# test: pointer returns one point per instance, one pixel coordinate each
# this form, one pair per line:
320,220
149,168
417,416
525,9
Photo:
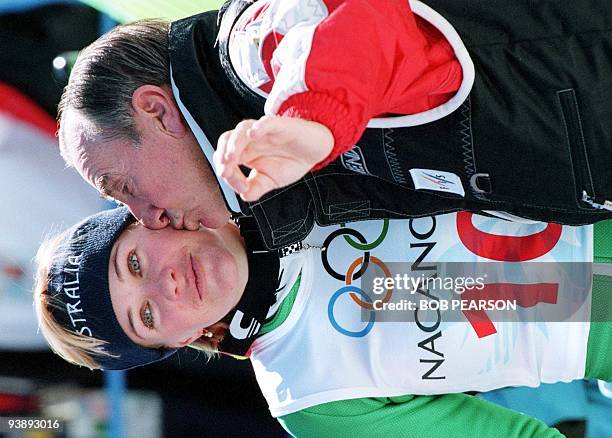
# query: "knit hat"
80,294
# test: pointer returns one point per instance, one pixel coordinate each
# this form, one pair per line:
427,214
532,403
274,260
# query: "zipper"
599,203
297,247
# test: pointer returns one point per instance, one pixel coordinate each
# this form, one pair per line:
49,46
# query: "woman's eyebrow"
116,262
129,315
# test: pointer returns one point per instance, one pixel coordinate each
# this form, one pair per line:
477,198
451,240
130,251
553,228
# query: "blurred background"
185,395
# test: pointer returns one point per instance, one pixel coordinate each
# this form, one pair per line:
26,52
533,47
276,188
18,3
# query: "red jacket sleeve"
364,58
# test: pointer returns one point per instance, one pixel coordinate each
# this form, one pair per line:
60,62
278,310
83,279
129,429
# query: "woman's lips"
197,275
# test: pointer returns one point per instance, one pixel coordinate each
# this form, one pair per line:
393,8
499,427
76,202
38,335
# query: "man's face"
163,180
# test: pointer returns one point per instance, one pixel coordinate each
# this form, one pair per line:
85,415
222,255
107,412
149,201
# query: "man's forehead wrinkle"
121,167
89,167
77,137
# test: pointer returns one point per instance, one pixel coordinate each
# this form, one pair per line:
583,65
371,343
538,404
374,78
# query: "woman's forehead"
131,232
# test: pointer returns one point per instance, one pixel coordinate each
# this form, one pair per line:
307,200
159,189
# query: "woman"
114,295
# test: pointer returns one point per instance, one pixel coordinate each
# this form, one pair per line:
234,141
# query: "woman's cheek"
230,271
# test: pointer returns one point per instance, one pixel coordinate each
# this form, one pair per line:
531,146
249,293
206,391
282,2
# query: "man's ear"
157,104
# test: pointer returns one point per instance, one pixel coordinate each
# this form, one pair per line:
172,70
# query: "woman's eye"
147,316
134,263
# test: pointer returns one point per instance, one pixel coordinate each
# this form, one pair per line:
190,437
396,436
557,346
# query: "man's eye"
134,263
147,316
126,191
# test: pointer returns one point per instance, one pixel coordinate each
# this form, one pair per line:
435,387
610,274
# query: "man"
141,107
143,155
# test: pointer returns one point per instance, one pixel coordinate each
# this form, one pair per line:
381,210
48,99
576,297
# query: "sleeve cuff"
324,109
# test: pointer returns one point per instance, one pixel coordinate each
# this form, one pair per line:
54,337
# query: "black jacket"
533,138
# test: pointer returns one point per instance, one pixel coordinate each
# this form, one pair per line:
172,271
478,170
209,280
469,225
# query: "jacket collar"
246,319
205,89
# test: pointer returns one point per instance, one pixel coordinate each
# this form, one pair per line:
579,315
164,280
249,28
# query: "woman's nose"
169,283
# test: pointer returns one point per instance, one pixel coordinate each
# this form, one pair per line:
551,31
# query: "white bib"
325,351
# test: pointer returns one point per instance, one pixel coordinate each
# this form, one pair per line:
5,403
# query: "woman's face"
167,285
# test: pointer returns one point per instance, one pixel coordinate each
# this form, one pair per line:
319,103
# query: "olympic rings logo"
358,296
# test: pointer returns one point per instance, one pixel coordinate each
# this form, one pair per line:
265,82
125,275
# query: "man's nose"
151,216
176,221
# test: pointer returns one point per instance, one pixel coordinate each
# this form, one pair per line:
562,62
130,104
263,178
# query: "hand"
279,151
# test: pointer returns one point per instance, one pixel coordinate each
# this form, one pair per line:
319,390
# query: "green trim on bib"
602,242
284,310
599,347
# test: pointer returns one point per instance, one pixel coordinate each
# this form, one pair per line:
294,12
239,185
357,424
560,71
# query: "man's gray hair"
107,73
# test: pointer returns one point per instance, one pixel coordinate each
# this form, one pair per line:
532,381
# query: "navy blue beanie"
80,295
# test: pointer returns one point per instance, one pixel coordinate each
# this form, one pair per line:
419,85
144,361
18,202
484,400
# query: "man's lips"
197,275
